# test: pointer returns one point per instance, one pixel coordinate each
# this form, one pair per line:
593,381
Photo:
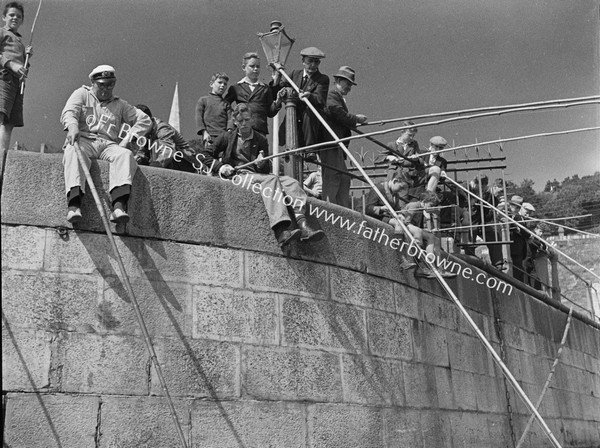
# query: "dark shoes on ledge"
286,236
309,234
74,215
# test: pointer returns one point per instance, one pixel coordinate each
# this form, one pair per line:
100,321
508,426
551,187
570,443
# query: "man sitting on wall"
280,194
102,125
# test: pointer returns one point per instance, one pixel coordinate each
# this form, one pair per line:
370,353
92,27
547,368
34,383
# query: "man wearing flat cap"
435,164
313,86
336,183
102,125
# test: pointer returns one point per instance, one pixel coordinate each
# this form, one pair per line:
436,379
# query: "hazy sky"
411,57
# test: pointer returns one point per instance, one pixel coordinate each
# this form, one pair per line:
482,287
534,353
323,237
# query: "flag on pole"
174,115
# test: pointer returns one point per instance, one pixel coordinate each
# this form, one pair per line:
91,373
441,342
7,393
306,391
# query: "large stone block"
360,289
23,247
430,344
489,393
190,263
50,421
348,426
235,315
437,430
420,385
441,312
287,374
85,253
26,358
470,430
444,387
322,324
409,302
404,428
197,368
50,302
465,391
286,275
468,353
102,364
144,422
390,335
248,424
165,308
371,380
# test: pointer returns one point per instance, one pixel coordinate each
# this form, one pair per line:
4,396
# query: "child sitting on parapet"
413,218
213,113
281,194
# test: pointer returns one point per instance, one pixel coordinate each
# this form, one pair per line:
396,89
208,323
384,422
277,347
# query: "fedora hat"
347,73
516,200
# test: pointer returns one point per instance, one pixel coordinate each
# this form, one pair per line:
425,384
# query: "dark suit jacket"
260,103
309,127
224,146
337,115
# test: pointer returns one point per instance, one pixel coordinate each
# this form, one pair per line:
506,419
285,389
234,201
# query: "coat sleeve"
337,112
200,109
71,111
210,154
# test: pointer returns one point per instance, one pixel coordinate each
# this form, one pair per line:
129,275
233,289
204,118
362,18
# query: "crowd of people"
232,128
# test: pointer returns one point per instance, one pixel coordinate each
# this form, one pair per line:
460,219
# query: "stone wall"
327,345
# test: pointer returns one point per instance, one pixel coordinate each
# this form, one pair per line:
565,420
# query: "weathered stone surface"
235,315
360,289
467,353
102,364
408,301
420,385
25,359
197,368
321,324
248,424
286,275
168,261
285,374
403,428
371,380
444,387
437,430
22,247
430,343
348,426
165,307
87,253
141,422
470,430
390,335
440,312
50,421
49,302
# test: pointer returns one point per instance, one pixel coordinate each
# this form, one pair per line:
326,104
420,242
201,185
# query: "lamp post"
277,46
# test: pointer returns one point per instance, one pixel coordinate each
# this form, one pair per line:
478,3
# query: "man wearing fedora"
313,86
518,236
102,125
336,181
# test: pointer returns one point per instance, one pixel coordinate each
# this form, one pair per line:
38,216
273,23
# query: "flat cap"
103,72
529,207
438,141
312,52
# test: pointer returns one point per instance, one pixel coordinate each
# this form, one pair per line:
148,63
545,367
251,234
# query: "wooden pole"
435,271
134,302
481,109
30,42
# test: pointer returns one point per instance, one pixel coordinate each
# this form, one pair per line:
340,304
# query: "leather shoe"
286,236
406,265
424,273
309,234
74,215
119,216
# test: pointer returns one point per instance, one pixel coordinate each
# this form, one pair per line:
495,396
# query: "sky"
411,57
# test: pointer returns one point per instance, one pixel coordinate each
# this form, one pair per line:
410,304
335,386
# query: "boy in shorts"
12,72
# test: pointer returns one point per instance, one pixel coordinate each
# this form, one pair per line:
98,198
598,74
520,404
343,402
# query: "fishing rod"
422,125
30,42
480,109
488,346
512,221
503,140
547,221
